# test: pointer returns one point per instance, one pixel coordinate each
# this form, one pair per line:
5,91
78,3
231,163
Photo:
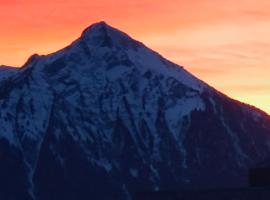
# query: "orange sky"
224,42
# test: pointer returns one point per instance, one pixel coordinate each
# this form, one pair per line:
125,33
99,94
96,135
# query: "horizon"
217,46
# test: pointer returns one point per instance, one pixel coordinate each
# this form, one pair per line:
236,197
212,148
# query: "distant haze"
225,43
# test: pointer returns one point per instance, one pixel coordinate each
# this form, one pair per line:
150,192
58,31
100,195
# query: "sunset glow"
226,43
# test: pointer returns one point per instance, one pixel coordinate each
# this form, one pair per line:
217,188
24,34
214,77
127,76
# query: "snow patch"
133,172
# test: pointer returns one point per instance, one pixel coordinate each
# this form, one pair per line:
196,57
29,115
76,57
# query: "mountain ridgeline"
107,117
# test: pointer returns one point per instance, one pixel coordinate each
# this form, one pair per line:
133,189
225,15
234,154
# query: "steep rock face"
106,117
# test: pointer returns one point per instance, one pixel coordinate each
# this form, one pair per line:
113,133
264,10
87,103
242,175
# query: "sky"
226,43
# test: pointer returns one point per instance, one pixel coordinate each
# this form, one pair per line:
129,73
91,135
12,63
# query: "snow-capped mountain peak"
103,35
106,117
104,48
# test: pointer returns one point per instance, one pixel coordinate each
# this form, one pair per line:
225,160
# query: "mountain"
6,71
107,117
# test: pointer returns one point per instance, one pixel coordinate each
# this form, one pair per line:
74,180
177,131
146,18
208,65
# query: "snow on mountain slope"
107,117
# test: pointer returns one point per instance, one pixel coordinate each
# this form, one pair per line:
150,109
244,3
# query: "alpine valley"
107,117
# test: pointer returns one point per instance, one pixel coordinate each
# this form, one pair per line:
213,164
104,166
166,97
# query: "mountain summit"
104,35
107,117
